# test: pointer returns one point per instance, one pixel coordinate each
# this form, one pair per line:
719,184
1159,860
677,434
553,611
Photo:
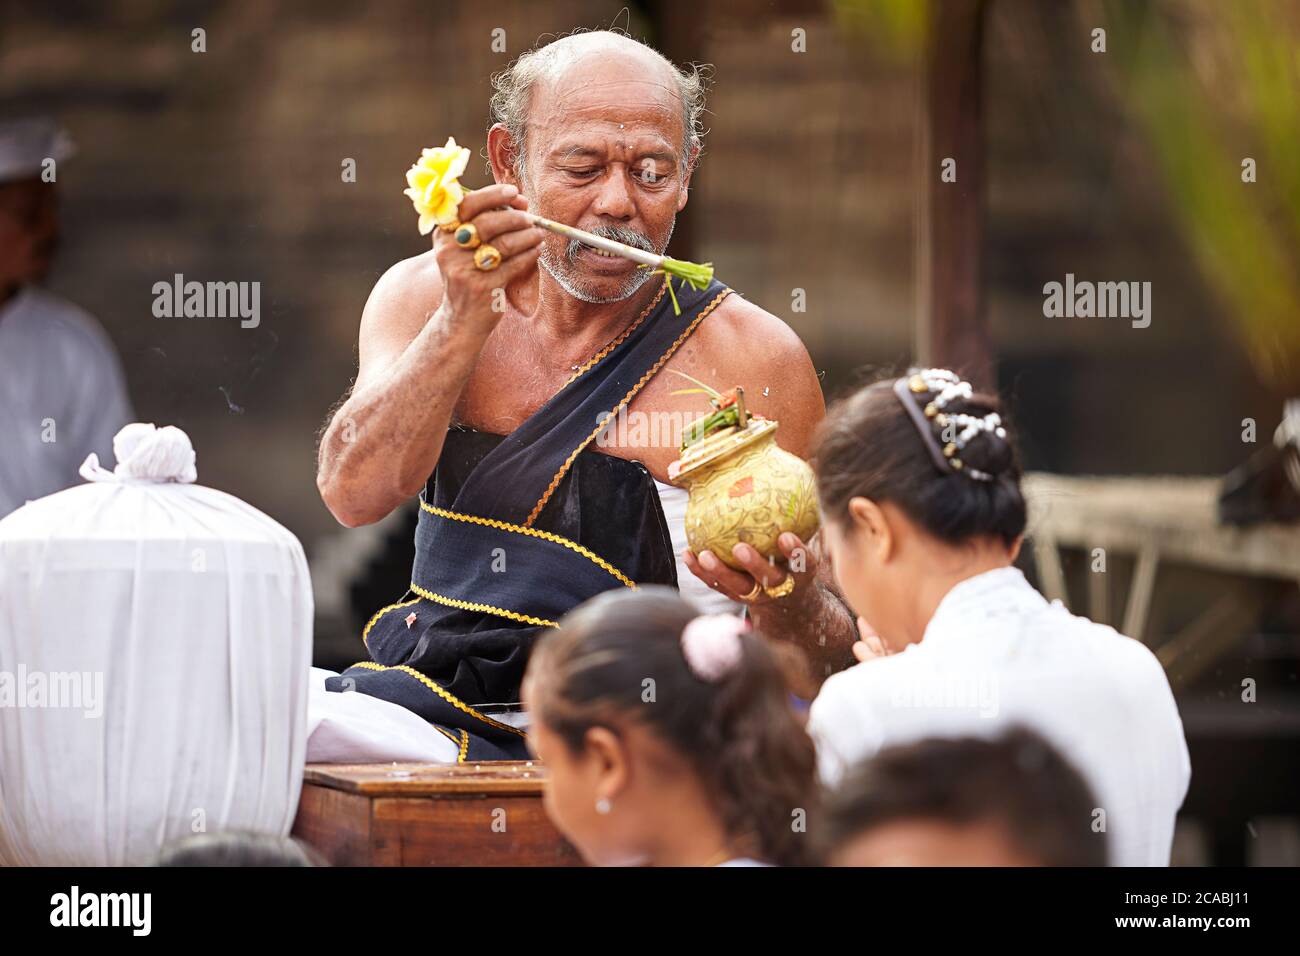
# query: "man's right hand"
468,292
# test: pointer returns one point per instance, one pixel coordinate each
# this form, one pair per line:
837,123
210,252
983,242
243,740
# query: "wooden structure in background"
1158,522
951,328
471,814
1158,527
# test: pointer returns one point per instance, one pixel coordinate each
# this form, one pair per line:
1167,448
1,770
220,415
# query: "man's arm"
818,621
421,333
776,370
385,438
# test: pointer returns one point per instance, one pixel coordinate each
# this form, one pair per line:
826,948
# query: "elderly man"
499,377
62,393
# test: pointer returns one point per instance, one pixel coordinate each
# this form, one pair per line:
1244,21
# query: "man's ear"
1015,547
684,193
609,761
873,528
502,155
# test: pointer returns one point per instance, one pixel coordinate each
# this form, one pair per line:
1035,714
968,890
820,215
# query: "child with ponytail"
669,737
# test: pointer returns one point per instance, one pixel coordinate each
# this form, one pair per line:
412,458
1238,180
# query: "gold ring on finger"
778,591
487,257
752,594
466,236
449,226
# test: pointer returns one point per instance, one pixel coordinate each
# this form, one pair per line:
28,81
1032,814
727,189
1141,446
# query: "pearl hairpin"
946,387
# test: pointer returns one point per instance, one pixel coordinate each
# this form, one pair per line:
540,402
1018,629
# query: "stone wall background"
225,166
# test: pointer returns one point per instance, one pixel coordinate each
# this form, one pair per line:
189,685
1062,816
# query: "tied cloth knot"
146,453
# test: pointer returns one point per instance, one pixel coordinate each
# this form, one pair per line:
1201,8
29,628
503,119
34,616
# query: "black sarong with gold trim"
516,530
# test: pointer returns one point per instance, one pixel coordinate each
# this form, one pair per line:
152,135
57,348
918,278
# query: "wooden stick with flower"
433,186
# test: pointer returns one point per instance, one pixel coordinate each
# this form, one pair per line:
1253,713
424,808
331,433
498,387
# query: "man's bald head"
576,58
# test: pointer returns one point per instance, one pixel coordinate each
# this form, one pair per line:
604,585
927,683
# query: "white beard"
569,283
566,277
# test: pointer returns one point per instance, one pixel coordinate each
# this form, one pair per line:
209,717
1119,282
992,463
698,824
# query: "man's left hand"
737,585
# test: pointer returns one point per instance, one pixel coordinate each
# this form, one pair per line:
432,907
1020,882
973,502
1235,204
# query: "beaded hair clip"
945,386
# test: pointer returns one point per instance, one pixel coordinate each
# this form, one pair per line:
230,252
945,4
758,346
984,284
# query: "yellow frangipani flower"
433,184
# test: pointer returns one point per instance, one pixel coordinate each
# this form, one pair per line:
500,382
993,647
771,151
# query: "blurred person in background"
62,392
1010,801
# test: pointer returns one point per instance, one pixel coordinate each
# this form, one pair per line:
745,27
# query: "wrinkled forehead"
604,95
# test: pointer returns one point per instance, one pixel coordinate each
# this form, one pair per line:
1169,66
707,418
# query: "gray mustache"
629,237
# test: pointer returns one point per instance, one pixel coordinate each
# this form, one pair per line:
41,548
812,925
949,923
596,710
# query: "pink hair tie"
711,645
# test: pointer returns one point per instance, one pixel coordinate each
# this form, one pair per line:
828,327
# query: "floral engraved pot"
744,487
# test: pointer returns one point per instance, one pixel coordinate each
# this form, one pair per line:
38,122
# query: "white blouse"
996,653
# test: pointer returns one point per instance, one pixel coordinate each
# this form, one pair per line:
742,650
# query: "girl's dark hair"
740,735
1017,781
869,446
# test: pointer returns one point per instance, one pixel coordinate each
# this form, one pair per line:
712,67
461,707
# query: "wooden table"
407,814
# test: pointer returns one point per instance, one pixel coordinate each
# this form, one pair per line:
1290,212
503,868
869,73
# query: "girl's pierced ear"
603,806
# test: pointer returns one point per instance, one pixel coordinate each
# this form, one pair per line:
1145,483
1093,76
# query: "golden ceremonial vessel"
742,485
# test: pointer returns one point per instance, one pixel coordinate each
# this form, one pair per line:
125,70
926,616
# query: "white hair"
513,89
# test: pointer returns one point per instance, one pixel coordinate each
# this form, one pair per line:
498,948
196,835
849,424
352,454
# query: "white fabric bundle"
155,645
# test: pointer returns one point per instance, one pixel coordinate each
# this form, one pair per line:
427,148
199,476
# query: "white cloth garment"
709,601
357,728
62,395
996,653
155,641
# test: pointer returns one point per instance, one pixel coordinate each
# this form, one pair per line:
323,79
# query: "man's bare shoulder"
416,276
744,344
750,333
398,308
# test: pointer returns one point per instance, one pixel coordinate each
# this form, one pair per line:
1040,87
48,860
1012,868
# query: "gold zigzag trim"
535,533
591,362
482,608
446,695
461,742
365,635
654,369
